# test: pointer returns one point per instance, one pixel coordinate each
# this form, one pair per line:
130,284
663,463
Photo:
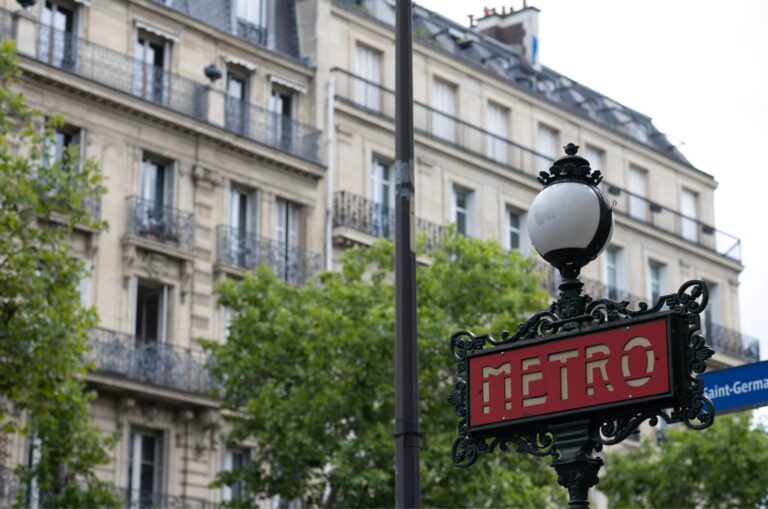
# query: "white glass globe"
567,222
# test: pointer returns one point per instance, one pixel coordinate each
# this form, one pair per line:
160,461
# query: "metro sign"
617,366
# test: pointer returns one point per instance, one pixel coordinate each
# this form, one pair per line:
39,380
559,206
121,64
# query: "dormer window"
251,20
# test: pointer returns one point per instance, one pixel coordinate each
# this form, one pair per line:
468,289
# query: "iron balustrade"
247,250
136,499
272,129
255,34
161,364
116,70
153,220
375,99
366,216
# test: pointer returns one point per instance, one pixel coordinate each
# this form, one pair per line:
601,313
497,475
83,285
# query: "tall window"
688,209
155,213
547,146
613,275
638,186
368,82
382,189
282,109
657,280
237,100
60,145
712,313
84,286
57,44
463,210
497,122
234,459
151,63
596,157
151,312
145,469
444,110
288,236
251,11
516,233
241,246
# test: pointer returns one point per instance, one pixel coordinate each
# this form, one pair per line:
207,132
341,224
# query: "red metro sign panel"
610,367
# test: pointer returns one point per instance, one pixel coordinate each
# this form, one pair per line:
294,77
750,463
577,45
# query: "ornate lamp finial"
571,167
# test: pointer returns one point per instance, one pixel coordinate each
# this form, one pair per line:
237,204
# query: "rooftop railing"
116,70
435,124
150,219
161,364
246,250
375,219
273,129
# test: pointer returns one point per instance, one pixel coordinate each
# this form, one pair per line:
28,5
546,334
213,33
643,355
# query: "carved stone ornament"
582,314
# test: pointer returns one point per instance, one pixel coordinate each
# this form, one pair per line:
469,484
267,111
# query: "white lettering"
649,360
563,357
504,369
532,377
599,364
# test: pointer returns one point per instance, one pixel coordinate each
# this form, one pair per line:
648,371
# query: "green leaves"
43,327
308,372
722,466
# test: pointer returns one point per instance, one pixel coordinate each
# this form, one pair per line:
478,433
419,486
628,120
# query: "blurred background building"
236,133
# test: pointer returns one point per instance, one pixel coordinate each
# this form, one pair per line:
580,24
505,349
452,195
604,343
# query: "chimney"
517,29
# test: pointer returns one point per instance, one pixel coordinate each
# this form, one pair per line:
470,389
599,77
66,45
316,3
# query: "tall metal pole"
407,484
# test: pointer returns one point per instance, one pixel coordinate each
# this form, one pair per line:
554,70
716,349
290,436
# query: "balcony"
248,250
374,219
272,129
433,124
117,71
123,356
167,225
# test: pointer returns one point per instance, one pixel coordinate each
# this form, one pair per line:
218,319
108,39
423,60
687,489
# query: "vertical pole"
407,488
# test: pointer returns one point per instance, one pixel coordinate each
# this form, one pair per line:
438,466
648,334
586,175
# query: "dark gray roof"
280,35
505,62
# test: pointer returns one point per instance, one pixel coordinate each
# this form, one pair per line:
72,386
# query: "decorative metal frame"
574,312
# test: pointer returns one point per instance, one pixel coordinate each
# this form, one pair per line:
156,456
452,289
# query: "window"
382,190
516,233
368,81
444,110
155,208
596,158
613,272
234,459
287,230
688,208
712,313
657,280
151,313
57,41
547,146
237,105
151,63
282,109
241,247
145,469
463,210
497,122
34,444
251,11
84,286
638,183
65,142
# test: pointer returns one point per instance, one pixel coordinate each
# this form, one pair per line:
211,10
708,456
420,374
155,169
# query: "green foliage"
722,466
308,372
43,327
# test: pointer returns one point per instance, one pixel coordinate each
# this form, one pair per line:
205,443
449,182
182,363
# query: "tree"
43,327
722,466
308,375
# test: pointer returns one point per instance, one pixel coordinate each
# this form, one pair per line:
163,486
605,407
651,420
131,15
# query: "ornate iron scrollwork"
695,410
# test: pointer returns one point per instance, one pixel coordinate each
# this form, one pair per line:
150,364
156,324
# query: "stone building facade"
236,133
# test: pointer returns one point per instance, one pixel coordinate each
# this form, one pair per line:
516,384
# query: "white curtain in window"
638,187
251,11
690,230
546,145
368,71
497,122
444,102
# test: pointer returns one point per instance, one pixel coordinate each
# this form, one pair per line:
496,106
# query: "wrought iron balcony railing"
165,224
121,355
116,70
247,250
375,219
273,129
375,99
720,338
135,499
